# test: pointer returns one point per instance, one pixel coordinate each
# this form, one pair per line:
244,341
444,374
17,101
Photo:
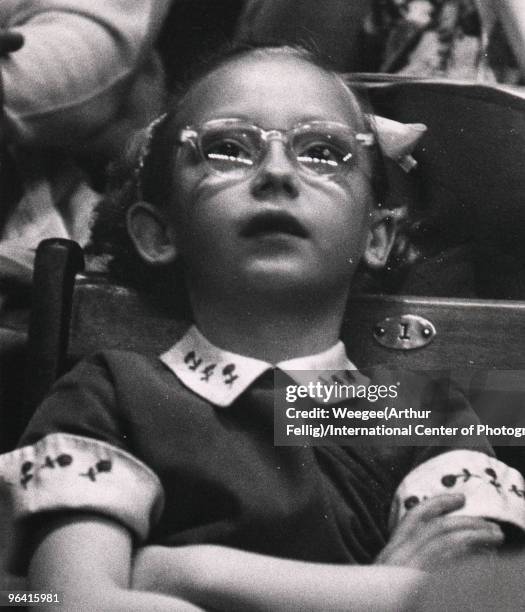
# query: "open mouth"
273,222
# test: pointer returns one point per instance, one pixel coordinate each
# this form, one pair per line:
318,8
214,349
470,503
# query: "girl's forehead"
272,91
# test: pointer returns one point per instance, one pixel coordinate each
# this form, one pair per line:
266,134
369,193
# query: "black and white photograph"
262,305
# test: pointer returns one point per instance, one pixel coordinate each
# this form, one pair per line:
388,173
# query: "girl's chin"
282,278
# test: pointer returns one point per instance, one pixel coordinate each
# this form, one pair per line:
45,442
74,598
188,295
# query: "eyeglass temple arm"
187,135
367,139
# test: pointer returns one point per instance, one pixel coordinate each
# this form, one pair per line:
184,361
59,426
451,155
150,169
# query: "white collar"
220,376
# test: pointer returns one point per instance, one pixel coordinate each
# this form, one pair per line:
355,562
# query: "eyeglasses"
235,149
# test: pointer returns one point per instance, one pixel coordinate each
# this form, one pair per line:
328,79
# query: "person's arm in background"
332,26
512,16
75,72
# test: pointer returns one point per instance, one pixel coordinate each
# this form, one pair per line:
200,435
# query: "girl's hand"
429,537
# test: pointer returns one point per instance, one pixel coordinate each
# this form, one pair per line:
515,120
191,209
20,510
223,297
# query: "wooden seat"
74,315
481,334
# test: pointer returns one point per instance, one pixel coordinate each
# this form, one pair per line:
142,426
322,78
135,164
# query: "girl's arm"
221,578
428,537
87,559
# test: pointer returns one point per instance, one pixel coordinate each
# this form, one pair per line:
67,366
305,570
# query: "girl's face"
278,228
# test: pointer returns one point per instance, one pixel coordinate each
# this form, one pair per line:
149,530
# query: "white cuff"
491,488
66,472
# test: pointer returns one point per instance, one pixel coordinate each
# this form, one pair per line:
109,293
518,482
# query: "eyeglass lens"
236,150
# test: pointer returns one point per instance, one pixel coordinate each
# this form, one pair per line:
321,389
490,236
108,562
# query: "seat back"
468,186
476,342
74,315
462,333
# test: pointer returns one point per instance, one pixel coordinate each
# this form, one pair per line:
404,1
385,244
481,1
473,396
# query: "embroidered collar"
220,376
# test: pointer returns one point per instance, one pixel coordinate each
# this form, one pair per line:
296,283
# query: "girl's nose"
276,174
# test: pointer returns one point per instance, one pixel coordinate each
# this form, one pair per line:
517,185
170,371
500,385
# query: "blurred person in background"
476,40
78,77
85,77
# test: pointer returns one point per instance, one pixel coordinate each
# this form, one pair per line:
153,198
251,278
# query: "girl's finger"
434,507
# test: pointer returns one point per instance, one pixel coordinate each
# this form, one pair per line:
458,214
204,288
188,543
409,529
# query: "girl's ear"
151,234
381,236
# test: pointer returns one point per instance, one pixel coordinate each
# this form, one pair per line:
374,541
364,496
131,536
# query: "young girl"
265,185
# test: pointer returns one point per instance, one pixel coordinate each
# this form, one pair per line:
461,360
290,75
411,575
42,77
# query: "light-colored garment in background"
473,40
454,39
86,77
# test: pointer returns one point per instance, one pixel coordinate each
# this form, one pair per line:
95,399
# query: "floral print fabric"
457,39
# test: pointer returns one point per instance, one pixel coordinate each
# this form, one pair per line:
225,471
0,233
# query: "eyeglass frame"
193,135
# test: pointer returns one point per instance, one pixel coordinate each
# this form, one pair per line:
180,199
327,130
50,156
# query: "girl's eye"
228,154
323,157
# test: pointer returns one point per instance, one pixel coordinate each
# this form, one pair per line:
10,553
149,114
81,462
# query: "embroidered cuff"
491,488
65,472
